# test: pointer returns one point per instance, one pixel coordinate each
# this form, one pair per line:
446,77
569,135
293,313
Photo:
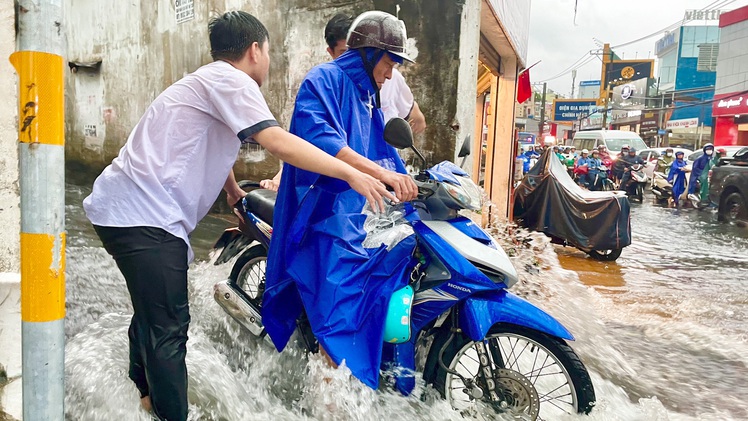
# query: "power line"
573,67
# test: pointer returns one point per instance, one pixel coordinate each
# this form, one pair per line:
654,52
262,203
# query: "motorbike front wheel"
248,274
536,375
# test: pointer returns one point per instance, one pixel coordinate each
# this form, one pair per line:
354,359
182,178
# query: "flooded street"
663,331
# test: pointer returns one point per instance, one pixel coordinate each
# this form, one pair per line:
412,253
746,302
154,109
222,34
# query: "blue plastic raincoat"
677,177
316,260
698,167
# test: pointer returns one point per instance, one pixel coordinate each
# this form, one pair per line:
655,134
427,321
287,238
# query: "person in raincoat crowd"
704,179
582,168
594,164
396,97
317,261
665,161
677,177
145,204
697,169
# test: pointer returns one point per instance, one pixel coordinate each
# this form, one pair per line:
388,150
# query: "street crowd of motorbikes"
600,170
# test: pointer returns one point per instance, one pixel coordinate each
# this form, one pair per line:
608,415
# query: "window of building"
707,57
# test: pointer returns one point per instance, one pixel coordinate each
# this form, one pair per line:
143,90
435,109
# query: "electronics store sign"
682,124
572,110
730,105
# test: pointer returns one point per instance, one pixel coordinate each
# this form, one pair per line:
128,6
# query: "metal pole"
605,108
542,114
573,81
40,68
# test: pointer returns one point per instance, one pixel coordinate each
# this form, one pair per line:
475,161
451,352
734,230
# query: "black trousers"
154,264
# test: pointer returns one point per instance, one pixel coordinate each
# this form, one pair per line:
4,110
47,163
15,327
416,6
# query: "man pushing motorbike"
317,261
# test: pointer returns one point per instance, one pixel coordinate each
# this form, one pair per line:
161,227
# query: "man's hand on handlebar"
403,185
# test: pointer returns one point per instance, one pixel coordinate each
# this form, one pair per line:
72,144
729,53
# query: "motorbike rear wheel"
536,375
605,255
248,274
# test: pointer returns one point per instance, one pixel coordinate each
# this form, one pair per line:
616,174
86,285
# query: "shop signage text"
682,124
703,14
665,42
570,110
730,104
589,83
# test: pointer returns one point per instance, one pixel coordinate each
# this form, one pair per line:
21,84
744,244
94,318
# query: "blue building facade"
688,74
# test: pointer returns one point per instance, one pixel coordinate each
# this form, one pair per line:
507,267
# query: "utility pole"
542,113
41,151
573,81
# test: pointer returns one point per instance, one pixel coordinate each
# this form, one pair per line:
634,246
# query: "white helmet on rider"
585,151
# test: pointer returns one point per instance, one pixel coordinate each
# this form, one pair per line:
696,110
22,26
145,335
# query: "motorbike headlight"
466,194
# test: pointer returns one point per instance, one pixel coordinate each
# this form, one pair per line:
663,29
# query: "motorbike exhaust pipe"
238,308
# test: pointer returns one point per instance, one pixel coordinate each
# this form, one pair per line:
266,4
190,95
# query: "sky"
560,43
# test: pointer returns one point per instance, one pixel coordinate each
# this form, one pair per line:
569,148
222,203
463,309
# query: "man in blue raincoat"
317,261
699,165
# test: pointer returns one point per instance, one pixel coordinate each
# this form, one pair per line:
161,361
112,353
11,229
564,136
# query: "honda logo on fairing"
457,287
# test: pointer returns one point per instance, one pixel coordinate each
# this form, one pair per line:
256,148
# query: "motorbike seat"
261,202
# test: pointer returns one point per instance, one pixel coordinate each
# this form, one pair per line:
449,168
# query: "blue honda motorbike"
487,351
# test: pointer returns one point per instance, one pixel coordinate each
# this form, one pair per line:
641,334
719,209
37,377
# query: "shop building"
687,75
730,106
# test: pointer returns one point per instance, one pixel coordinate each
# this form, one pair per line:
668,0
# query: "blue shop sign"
570,110
589,83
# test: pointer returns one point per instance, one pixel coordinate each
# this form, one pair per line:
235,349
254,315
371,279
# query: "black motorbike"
634,187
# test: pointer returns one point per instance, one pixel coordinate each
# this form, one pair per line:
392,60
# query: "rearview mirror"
398,134
465,148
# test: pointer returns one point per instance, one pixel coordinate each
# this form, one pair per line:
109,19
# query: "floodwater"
663,331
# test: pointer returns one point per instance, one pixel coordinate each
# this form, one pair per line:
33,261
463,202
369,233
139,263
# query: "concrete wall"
10,221
143,50
9,189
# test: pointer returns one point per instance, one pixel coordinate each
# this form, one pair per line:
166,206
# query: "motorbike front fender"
479,313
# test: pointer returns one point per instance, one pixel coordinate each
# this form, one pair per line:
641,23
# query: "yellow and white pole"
41,151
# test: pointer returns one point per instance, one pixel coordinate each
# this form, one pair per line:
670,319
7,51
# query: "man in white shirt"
165,179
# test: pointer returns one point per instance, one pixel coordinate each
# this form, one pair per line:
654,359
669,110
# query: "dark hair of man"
232,33
337,29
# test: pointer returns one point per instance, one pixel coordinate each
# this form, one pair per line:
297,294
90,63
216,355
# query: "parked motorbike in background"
485,347
661,188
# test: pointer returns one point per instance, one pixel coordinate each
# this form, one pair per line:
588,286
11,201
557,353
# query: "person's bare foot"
145,402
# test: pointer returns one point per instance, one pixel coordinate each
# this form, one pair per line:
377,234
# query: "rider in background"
582,168
677,176
665,161
594,164
627,162
619,165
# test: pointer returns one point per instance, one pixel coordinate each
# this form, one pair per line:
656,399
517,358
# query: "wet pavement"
663,331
